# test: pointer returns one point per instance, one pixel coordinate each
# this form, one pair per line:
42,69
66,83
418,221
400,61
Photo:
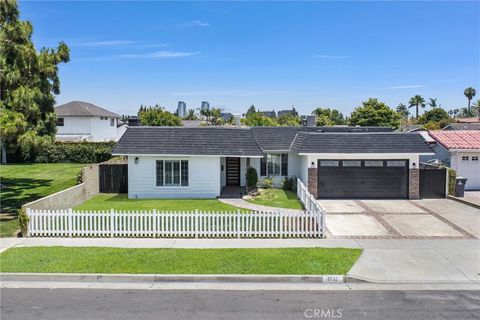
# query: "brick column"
414,184
312,181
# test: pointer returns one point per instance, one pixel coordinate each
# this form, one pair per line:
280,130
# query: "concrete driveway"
401,219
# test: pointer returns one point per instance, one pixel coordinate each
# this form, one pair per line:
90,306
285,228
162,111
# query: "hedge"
452,181
76,152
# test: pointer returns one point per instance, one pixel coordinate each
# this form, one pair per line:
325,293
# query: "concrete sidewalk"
240,203
382,261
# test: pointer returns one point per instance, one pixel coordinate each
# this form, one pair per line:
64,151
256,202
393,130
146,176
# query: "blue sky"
270,54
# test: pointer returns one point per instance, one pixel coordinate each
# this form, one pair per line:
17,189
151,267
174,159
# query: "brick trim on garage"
414,184
313,181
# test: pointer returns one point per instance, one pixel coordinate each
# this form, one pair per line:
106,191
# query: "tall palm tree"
403,111
416,101
433,103
476,107
470,93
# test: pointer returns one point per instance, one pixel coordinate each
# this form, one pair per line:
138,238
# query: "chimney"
308,121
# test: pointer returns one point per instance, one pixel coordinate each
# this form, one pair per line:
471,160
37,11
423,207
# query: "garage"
363,179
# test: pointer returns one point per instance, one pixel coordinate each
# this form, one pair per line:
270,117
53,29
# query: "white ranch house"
333,162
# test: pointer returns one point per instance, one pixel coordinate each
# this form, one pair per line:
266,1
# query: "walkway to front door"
233,171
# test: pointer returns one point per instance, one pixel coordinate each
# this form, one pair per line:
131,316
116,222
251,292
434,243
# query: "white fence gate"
309,202
254,224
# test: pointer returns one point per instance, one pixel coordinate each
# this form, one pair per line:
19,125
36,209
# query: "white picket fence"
153,224
309,202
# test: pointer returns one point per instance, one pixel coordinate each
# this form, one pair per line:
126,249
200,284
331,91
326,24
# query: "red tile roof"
457,139
468,120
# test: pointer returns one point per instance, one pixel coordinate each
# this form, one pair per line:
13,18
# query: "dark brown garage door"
362,179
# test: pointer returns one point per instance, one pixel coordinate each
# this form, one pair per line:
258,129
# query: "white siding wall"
204,178
467,168
100,130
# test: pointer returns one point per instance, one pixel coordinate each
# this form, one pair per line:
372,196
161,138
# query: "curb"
468,203
158,278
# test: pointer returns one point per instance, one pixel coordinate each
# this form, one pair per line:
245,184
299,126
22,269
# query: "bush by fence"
77,152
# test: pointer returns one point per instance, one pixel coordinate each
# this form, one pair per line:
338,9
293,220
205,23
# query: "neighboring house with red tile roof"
460,149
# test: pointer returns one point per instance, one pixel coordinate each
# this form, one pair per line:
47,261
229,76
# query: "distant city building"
205,105
181,109
270,114
225,116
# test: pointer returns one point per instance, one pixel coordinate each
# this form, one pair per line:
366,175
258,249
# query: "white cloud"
158,55
194,24
410,86
104,43
330,57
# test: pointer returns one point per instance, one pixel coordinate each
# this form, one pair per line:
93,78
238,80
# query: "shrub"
23,221
252,177
452,181
267,183
290,183
77,152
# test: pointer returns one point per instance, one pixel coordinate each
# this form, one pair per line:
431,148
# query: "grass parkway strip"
294,261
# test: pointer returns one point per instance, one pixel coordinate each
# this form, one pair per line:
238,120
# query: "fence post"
154,211
69,222
112,225
195,225
238,224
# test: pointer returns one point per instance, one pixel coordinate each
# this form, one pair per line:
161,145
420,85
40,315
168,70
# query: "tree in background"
432,103
28,85
257,119
215,118
190,115
323,121
335,116
417,101
251,110
476,108
157,116
434,115
289,120
470,93
402,110
374,113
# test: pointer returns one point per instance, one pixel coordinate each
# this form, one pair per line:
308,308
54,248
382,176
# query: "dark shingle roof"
188,141
463,126
281,138
83,109
308,142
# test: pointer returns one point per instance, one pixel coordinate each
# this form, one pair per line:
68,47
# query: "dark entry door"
362,179
233,171
433,183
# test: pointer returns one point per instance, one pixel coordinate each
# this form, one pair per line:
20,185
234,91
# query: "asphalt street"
96,304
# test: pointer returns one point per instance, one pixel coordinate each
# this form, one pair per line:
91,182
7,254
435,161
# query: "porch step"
232,192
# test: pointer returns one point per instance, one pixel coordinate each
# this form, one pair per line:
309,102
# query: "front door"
233,171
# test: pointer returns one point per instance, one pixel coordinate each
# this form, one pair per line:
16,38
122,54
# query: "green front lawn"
23,183
8,225
121,202
308,261
277,198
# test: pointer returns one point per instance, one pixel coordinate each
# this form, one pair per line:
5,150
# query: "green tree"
335,116
416,101
257,119
374,113
289,120
402,110
158,116
190,115
433,115
476,107
432,103
28,84
470,93
250,110
215,117
323,121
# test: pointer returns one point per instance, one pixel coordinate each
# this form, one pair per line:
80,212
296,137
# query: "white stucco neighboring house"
333,162
460,149
83,121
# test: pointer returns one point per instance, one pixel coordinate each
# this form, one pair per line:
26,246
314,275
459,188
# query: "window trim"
465,158
63,122
112,122
180,173
474,158
266,159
